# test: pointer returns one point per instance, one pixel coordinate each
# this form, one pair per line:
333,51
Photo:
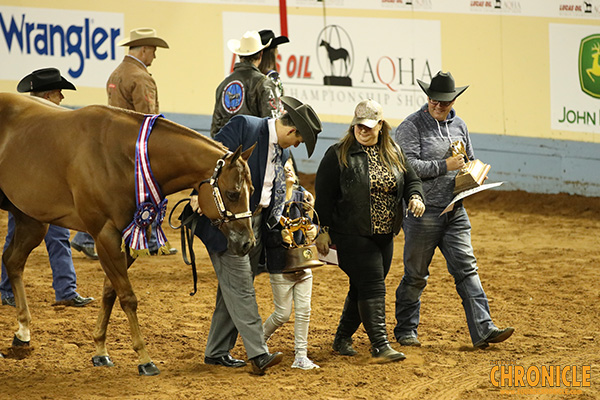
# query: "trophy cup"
302,255
472,174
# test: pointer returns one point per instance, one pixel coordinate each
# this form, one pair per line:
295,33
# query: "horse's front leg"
102,359
27,235
115,264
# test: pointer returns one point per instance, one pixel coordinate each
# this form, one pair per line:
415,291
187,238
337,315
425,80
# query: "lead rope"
187,240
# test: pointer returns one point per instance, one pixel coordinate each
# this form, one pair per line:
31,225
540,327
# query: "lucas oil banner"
334,66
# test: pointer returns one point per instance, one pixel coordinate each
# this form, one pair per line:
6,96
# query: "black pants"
366,260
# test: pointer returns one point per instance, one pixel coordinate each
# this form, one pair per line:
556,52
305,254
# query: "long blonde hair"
389,152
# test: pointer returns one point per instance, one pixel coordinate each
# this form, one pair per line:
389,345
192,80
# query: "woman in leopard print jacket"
360,185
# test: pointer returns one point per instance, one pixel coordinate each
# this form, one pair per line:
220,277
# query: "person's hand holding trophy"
299,234
474,172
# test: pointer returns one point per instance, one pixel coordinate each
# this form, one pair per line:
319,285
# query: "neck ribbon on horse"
151,207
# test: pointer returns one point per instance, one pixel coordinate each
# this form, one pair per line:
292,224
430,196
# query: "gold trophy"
304,255
472,174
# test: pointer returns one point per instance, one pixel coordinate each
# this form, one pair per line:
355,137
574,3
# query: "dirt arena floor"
539,258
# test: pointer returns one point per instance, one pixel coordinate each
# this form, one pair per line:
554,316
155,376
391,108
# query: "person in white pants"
290,288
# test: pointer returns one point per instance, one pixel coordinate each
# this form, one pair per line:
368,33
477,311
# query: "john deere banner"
575,77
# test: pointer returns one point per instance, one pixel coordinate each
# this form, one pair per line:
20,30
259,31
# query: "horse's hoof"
19,343
102,361
148,369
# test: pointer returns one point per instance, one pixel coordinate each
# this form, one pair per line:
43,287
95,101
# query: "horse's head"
226,200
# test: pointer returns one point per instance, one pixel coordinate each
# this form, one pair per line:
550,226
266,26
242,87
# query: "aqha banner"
334,64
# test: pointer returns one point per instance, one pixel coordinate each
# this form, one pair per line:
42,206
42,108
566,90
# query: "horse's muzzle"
239,243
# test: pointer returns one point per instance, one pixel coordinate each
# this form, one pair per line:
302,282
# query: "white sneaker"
304,363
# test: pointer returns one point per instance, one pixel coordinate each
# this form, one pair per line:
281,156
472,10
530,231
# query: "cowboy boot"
349,323
372,313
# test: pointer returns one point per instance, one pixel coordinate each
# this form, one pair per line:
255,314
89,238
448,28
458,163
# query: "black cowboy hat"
305,120
267,34
43,80
442,87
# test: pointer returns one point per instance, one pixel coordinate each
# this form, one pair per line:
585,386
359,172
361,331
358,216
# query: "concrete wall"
529,164
531,105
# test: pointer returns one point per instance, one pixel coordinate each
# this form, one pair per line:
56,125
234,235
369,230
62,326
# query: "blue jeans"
83,239
64,280
86,240
452,234
153,239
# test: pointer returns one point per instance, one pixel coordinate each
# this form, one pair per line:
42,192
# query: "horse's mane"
140,116
116,111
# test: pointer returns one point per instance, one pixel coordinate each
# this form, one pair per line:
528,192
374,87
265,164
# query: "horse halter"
224,213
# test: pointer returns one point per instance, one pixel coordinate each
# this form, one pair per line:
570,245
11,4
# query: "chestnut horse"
75,168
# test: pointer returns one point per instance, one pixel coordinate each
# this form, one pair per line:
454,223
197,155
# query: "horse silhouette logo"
589,65
335,55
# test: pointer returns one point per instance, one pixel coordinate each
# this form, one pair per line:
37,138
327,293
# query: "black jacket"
343,195
246,91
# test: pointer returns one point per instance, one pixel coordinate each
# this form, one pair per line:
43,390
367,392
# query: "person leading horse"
76,169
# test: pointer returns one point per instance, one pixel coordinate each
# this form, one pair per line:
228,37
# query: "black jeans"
366,260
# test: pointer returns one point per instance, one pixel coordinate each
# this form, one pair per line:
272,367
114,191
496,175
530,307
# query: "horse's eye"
233,196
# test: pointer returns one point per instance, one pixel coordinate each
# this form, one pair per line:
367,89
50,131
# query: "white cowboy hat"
143,37
248,45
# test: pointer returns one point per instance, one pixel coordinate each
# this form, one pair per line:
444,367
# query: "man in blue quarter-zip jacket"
426,137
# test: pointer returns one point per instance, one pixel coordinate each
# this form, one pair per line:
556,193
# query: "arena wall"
533,103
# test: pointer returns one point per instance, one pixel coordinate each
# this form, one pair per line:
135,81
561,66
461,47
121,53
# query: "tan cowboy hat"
143,37
305,120
442,87
249,44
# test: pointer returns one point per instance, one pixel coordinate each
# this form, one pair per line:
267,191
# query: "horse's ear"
236,155
247,153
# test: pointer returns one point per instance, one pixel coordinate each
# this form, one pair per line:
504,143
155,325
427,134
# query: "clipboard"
469,192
